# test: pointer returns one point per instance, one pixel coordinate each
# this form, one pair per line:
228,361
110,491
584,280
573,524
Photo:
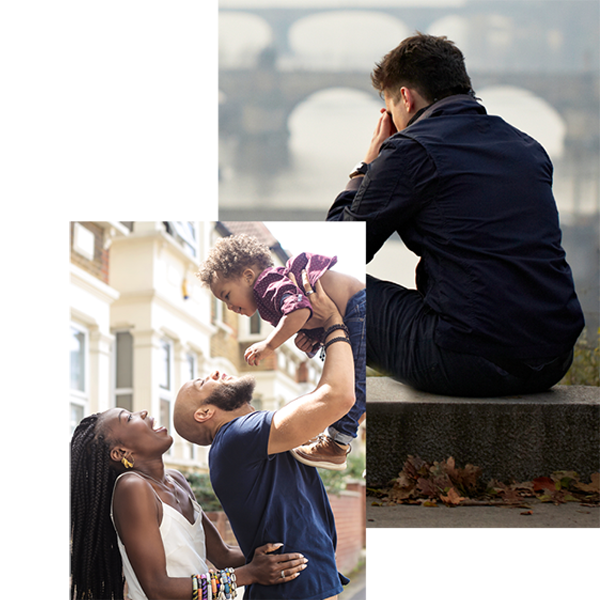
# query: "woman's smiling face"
136,431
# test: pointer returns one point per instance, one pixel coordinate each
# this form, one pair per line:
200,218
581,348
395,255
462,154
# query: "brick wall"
98,267
224,343
349,510
266,364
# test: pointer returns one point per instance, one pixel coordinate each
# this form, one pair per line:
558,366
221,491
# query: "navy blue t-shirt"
270,499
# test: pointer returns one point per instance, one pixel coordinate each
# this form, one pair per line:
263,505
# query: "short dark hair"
432,65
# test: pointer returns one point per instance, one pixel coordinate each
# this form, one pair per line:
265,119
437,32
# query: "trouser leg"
345,429
400,343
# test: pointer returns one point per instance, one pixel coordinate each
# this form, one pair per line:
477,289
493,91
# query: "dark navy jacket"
472,196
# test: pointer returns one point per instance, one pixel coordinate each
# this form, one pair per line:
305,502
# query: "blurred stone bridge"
259,102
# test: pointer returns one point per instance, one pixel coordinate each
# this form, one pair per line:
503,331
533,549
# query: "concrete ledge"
519,437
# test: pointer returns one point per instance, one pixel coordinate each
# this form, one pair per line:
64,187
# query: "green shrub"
585,367
200,484
335,481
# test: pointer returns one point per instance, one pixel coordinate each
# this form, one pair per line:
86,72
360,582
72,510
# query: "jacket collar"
457,103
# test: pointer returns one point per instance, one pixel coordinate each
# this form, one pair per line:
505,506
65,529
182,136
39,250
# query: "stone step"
520,437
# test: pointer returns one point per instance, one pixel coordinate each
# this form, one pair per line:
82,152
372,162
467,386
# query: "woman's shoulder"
132,484
134,496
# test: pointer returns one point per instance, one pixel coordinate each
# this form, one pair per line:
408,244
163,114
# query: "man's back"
472,196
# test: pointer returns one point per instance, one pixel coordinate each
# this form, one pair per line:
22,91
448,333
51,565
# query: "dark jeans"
346,428
400,343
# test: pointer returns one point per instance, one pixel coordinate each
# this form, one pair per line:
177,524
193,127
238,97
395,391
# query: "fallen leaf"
543,483
593,487
427,487
431,503
453,498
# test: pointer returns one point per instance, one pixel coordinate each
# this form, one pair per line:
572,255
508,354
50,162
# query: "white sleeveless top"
184,543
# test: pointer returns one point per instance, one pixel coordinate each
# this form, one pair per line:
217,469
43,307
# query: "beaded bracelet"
204,584
334,327
213,585
337,339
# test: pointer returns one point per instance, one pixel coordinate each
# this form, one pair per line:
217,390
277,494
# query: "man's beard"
231,395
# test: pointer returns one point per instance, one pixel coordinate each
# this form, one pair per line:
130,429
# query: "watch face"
360,169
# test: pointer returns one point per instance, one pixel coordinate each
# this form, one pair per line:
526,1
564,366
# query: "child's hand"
255,353
306,344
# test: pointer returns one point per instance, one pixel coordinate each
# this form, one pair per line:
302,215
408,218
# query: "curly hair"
231,255
96,565
433,65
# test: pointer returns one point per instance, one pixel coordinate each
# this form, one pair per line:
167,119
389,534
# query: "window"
255,323
165,383
190,362
217,310
189,374
179,212
124,370
78,366
165,365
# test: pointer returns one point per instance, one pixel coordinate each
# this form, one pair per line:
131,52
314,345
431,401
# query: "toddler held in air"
239,271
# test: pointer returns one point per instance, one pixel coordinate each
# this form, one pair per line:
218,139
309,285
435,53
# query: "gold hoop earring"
126,463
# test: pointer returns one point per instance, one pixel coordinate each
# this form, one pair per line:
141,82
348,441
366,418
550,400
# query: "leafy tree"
335,481
202,488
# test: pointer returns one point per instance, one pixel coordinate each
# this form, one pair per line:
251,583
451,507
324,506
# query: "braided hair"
96,566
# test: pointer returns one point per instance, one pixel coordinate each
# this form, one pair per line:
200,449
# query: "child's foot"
324,453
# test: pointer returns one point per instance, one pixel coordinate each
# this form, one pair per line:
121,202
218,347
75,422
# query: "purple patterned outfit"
277,296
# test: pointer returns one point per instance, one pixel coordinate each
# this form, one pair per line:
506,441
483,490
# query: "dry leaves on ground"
425,483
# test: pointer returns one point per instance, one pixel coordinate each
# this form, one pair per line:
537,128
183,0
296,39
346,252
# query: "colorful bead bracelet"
215,585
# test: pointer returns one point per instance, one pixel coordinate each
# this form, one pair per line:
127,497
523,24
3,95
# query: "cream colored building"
142,325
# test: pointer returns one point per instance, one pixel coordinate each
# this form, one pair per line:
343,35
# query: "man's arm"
398,182
385,128
309,415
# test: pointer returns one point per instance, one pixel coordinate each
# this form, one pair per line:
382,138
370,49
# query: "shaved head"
228,396
186,403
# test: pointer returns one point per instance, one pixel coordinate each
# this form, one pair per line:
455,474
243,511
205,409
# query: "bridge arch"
335,118
529,113
245,38
455,28
349,40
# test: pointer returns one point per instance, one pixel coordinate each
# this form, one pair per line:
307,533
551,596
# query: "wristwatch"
359,169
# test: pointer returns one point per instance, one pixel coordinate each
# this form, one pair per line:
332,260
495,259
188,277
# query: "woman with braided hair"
134,520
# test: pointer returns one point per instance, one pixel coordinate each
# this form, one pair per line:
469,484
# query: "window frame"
123,391
80,398
165,394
